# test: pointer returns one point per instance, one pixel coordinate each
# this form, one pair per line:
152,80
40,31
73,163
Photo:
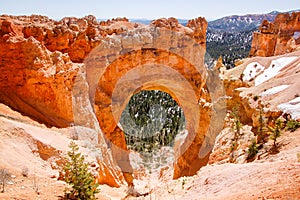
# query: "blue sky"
150,9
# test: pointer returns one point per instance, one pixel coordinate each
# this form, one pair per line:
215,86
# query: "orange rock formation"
278,37
43,73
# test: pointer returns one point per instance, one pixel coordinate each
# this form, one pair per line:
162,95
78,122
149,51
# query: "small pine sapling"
237,123
183,183
255,98
275,132
76,174
252,150
262,131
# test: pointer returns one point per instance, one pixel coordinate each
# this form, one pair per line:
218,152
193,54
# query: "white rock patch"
273,69
274,90
252,70
292,107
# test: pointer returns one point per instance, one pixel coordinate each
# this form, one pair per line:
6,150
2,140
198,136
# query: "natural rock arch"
44,82
153,58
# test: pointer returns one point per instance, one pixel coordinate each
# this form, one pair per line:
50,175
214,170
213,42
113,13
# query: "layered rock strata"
278,37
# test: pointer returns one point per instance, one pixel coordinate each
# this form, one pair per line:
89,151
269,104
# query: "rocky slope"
33,153
273,176
269,82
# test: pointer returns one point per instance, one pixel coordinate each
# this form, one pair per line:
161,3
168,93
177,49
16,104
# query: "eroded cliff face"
42,61
278,37
35,81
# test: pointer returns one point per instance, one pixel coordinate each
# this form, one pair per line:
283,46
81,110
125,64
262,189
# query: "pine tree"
252,150
159,125
262,130
237,124
76,174
275,132
292,125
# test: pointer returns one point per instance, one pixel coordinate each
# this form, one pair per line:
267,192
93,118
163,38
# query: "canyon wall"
278,37
40,59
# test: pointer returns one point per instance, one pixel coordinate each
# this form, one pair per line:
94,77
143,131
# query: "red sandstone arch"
154,80
175,68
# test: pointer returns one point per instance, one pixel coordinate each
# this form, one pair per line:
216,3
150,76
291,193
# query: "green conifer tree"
275,132
237,123
252,150
76,174
262,130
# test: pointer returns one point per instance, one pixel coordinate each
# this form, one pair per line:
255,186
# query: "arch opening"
151,121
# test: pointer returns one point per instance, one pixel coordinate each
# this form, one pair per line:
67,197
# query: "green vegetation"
233,146
151,119
252,150
76,174
275,132
292,125
183,183
262,129
231,46
237,124
255,98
